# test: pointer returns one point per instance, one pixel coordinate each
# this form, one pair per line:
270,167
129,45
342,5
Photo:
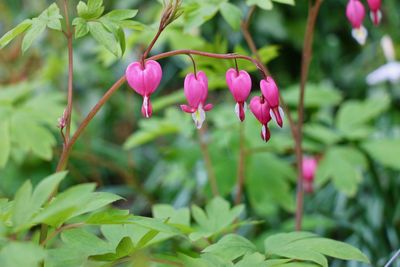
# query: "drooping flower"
239,83
144,80
261,110
355,13
196,91
376,14
270,91
309,168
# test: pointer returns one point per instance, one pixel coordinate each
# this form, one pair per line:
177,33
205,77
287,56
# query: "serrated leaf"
232,14
36,29
11,34
5,142
81,27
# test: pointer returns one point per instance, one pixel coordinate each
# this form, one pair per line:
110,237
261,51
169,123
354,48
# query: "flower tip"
277,115
360,35
147,109
265,133
240,110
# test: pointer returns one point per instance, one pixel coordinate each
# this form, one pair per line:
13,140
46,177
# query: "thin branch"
207,161
397,254
305,66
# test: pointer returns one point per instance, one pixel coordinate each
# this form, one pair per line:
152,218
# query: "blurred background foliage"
351,127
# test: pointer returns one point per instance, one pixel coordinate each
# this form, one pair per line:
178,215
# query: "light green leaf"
121,14
232,14
110,216
231,247
254,260
104,37
18,254
344,166
22,204
353,115
264,4
36,29
5,142
92,10
287,2
384,151
52,17
11,34
81,27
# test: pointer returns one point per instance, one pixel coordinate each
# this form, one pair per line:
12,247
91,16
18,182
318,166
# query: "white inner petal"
146,106
237,110
264,132
378,13
199,117
271,113
360,35
281,112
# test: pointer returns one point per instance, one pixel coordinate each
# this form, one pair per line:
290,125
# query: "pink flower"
144,80
376,14
261,110
196,91
355,13
309,168
239,83
270,91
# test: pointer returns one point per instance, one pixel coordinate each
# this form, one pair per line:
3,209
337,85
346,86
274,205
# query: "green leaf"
353,115
22,204
232,14
287,2
52,17
267,190
384,151
254,260
92,10
198,14
231,247
264,4
110,216
104,37
121,14
343,165
217,216
44,190
11,34
316,96
308,247
37,28
81,27
5,142
17,254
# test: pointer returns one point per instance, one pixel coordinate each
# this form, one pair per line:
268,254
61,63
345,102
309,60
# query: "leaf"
81,27
22,204
217,216
287,2
384,151
353,115
254,260
5,142
92,10
264,4
121,14
37,28
321,133
308,247
343,165
231,247
44,190
11,34
232,14
316,95
104,37
52,17
198,14
17,254
269,185
110,216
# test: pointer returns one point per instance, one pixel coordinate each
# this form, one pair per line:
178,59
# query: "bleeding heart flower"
355,13
261,110
270,91
376,14
196,91
239,83
144,80
310,165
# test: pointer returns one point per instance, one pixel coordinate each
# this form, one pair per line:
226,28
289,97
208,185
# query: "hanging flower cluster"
144,78
355,13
